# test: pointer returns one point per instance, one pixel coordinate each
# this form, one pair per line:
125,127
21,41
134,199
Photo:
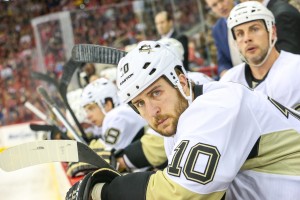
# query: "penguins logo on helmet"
145,48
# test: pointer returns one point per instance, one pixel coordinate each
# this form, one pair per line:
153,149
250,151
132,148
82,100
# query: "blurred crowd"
16,58
106,22
18,55
114,23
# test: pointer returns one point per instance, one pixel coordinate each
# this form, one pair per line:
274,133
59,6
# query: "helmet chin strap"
190,97
101,107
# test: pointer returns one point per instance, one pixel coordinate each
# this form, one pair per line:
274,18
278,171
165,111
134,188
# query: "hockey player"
74,101
226,138
120,126
149,151
117,124
267,70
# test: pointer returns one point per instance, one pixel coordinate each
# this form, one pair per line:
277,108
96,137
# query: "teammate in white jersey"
120,125
267,70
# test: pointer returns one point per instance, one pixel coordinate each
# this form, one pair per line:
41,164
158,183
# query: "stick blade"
38,152
47,151
89,156
91,53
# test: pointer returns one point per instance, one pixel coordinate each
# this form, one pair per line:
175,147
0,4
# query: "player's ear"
274,33
184,82
108,105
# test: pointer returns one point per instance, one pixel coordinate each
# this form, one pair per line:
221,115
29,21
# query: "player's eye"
90,108
238,34
255,29
139,104
155,93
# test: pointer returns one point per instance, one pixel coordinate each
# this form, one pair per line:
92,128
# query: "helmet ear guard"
145,64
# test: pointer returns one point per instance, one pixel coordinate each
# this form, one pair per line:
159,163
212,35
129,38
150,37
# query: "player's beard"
257,60
171,128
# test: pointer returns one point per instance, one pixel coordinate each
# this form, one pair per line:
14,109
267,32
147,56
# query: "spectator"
165,28
227,55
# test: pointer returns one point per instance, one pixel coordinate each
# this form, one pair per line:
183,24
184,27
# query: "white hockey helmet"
74,99
109,73
174,45
98,91
143,65
250,11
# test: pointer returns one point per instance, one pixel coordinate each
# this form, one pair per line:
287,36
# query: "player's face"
94,114
252,40
163,26
221,8
161,106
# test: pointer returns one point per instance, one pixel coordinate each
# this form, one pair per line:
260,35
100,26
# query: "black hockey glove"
82,189
79,168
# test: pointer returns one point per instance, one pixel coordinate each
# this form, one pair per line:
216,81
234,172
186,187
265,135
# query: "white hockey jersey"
120,126
233,140
281,83
199,78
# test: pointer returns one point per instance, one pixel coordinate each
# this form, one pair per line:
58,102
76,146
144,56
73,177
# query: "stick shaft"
51,103
68,126
36,111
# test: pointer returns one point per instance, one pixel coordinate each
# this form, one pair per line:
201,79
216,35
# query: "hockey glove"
82,190
79,168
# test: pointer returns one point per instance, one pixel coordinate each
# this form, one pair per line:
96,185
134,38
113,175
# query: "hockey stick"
92,53
69,68
58,113
53,129
36,111
46,151
44,77
42,116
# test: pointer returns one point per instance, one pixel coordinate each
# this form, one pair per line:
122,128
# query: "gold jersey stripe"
279,153
153,148
161,187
